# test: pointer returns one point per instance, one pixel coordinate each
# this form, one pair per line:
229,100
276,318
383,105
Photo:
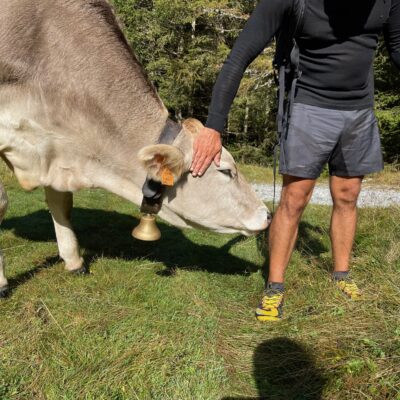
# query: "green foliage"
387,83
389,122
182,44
387,77
246,153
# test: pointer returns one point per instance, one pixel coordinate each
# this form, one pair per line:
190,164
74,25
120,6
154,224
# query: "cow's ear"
159,158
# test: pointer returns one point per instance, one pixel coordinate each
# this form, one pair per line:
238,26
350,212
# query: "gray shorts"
347,140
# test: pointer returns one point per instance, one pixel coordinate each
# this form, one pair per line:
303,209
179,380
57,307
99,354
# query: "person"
332,121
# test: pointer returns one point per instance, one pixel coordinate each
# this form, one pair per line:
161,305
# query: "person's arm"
392,33
256,35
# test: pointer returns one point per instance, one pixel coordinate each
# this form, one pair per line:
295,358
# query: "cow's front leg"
60,205
3,209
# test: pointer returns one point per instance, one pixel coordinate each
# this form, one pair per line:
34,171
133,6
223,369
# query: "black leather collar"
170,132
153,190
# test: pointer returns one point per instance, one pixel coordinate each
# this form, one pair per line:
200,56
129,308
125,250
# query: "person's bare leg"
345,192
296,193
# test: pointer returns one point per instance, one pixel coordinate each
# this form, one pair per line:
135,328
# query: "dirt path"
369,197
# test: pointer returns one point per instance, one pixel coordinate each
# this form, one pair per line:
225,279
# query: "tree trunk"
246,118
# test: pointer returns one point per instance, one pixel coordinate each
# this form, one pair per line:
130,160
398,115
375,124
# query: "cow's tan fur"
75,109
192,126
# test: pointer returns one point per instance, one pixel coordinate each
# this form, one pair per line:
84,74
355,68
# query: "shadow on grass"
308,244
108,234
25,276
285,369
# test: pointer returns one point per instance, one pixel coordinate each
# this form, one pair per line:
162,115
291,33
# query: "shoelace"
272,301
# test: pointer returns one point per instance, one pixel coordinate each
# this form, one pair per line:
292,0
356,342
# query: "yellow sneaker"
349,288
271,306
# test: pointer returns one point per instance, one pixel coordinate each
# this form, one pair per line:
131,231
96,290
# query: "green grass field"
175,319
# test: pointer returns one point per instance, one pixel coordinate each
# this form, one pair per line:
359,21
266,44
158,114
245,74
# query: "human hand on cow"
207,148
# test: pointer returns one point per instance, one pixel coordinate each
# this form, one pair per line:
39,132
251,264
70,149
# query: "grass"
174,319
390,176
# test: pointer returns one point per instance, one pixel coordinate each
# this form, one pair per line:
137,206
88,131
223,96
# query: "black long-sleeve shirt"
337,47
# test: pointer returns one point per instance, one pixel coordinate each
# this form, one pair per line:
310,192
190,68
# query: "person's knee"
293,203
346,196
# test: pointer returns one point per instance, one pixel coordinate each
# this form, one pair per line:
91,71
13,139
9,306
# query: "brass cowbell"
147,229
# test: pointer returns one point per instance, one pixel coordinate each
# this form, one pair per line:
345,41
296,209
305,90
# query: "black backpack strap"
286,62
292,24
281,100
296,75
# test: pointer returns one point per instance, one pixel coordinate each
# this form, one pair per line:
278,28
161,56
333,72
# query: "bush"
248,154
389,123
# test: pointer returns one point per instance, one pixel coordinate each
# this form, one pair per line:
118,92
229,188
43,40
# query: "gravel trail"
369,197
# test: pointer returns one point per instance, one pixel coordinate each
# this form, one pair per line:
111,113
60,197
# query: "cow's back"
77,42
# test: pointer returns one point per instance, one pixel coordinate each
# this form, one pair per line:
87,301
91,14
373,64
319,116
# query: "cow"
77,110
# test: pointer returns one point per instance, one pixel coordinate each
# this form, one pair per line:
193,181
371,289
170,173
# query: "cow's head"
221,200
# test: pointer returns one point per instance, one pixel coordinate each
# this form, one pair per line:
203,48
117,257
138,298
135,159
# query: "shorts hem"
356,173
299,174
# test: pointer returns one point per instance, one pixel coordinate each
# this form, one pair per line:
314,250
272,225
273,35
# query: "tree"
387,84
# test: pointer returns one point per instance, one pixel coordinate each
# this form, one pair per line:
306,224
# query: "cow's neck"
98,78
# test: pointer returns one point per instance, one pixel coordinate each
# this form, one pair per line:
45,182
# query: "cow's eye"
227,172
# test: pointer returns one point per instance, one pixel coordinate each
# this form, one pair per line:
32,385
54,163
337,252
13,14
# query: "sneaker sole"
266,318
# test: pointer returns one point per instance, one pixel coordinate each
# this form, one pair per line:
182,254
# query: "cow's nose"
268,220
259,221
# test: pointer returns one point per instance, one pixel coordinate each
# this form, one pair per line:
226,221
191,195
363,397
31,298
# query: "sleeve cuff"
215,121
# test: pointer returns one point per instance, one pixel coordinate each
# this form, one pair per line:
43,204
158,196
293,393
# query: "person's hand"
207,148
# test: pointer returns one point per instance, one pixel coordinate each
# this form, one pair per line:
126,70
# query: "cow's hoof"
81,271
4,292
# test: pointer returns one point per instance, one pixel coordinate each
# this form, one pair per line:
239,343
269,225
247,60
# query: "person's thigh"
311,138
358,151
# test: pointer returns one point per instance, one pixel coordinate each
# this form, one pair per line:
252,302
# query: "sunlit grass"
174,319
